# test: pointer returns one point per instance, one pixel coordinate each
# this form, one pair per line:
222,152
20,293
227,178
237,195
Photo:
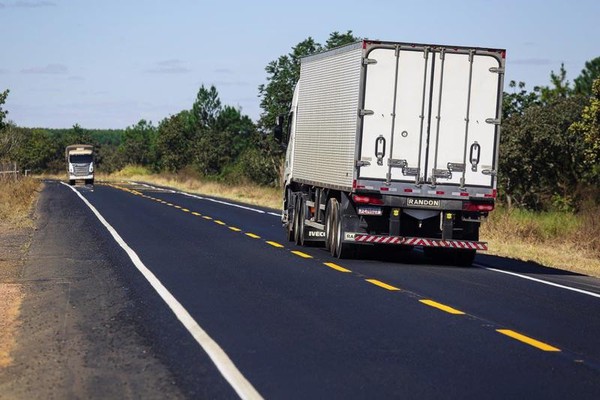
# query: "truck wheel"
301,219
289,227
329,221
296,220
341,249
331,233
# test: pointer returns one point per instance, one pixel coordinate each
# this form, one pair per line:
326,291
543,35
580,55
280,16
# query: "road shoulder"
76,334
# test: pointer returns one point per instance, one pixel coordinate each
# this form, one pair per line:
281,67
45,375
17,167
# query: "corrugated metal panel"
327,118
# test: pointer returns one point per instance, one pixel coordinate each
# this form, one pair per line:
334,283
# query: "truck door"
430,116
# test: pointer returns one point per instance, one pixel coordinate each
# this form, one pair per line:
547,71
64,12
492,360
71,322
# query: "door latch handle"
380,149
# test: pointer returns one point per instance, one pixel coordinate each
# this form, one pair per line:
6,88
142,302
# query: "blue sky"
110,63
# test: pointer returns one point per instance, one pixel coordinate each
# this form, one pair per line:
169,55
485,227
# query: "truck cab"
80,163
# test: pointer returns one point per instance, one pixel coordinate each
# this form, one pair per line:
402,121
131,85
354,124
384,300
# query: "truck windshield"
80,158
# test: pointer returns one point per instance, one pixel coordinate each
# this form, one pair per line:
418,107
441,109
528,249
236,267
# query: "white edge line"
221,360
211,199
541,281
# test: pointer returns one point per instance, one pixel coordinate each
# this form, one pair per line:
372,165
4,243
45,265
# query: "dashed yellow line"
382,284
207,217
301,254
525,339
235,229
185,209
252,235
442,307
336,267
219,222
274,244
178,207
196,214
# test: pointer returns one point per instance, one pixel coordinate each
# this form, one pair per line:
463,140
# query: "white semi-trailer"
80,163
394,144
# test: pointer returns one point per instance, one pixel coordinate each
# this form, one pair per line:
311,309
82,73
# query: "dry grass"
16,202
560,240
245,192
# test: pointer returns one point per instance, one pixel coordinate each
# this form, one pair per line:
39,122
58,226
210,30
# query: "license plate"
431,203
365,210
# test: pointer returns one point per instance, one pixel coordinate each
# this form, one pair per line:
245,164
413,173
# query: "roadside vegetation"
548,180
16,201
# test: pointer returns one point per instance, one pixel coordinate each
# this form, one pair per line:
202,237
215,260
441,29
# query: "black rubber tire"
301,219
296,220
333,215
328,225
342,250
289,227
72,182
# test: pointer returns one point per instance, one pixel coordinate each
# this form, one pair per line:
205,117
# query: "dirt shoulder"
68,326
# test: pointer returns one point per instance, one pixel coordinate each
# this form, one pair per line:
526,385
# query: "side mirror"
278,130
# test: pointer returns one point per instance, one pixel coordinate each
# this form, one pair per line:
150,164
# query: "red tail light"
468,206
367,200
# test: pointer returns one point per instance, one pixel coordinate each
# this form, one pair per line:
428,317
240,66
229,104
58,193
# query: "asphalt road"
296,323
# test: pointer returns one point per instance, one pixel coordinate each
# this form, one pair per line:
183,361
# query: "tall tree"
542,160
560,89
138,142
283,74
3,113
516,102
207,107
174,142
585,80
78,135
337,39
589,129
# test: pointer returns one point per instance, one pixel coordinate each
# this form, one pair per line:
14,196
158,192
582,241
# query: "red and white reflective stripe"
378,239
456,244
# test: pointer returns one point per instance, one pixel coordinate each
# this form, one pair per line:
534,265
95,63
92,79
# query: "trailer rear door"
431,115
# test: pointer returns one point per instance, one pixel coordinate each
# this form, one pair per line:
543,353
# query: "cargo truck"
394,144
80,163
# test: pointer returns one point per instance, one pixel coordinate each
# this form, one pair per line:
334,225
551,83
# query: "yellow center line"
382,284
336,267
207,217
527,340
169,204
301,254
442,307
253,236
185,209
178,207
235,229
219,222
196,214
275,244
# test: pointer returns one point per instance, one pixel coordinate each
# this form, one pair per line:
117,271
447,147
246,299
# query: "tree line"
549,149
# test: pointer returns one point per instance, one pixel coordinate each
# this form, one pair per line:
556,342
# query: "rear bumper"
76,177
362,238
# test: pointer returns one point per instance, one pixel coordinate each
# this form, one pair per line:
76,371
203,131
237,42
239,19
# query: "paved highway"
234,310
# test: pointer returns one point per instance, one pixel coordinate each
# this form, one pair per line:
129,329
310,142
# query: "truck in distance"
394,143
80,163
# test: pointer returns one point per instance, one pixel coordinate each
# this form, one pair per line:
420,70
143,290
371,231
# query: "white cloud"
28,4
169,67
54,69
